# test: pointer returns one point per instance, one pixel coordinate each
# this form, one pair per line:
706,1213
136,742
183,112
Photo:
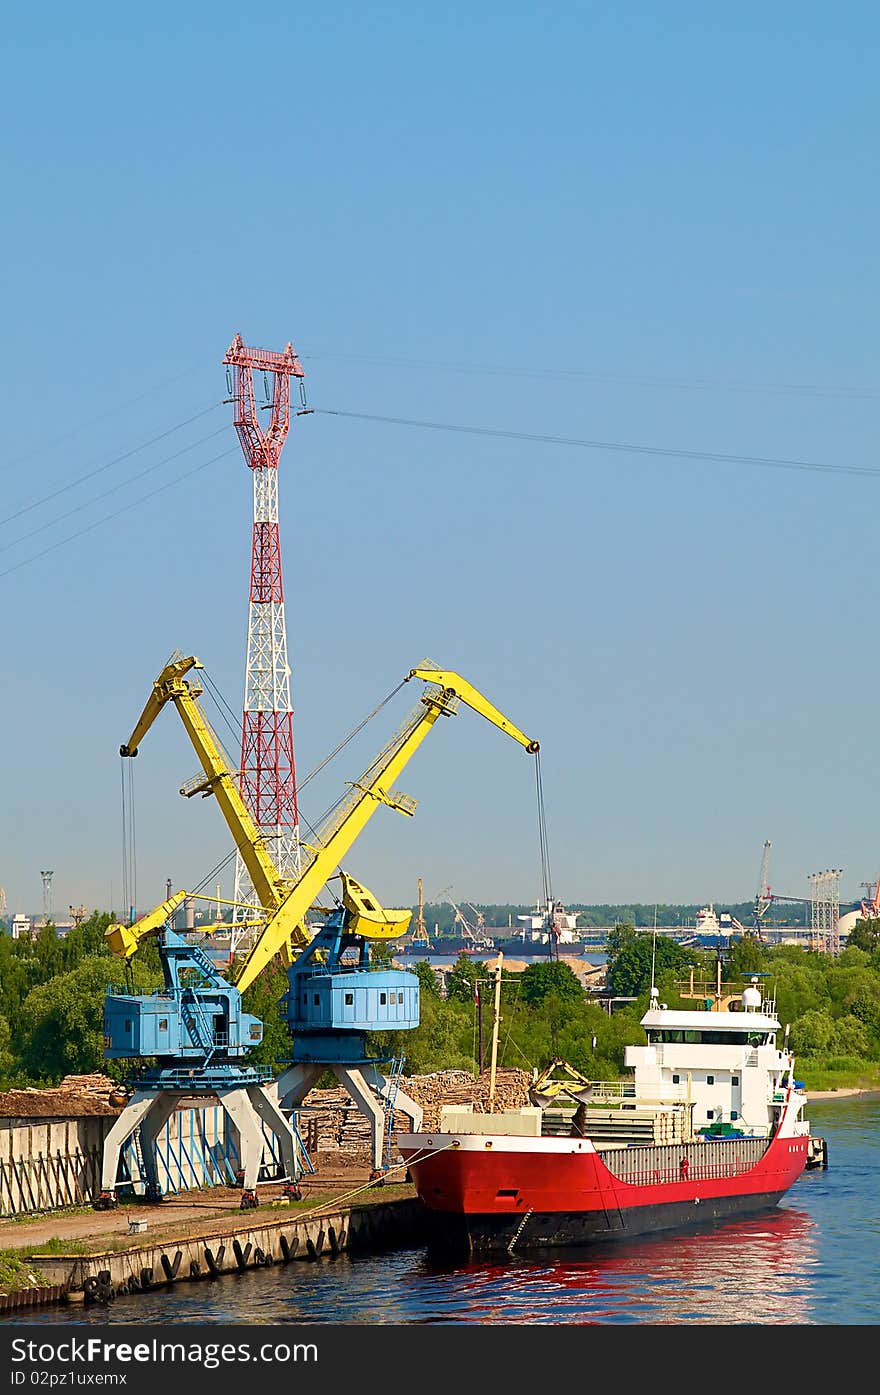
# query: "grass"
32,1216
58,1246
827,1075
17,1273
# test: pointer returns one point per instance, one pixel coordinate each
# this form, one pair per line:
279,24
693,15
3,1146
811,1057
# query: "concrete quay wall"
237,1246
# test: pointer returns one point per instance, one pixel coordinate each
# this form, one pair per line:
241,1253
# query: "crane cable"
129,842
546,880
231,720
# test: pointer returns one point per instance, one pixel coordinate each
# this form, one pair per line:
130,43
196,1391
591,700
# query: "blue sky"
639,224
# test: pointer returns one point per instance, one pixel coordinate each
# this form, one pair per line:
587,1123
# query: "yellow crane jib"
336,838
219,780
454,686
123,940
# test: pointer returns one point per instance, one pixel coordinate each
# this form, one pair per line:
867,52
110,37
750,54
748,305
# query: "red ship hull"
494,1193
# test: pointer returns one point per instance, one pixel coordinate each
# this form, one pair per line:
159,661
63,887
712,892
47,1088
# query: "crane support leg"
271,1115
413,1111
240,1109
295,1083
368,1103
152,1125
125,1125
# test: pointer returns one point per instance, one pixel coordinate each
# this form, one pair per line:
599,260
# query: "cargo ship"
708,1126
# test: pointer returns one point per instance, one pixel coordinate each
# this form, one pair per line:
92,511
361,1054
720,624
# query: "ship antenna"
653,958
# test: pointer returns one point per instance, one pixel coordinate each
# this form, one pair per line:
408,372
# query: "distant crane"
473,934
763,896
2,900
481,919
871,909
47,896
420,934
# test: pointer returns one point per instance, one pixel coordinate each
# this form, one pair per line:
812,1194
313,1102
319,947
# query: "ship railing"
611,1091
662,1164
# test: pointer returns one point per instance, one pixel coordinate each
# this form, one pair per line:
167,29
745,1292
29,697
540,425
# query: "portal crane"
469,932
213,1040
763,896
420,935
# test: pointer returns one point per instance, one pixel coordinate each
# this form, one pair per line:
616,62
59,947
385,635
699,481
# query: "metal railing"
662,1164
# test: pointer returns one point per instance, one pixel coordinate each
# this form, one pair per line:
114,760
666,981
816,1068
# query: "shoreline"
843,1091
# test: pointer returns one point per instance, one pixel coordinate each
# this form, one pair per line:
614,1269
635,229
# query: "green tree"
747,956
429,984
633,954
539,981
850,1037
263,999
7,1060
60,1028
812,1034
462,979
443,1040
865,935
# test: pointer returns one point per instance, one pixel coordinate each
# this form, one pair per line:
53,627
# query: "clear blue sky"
658,224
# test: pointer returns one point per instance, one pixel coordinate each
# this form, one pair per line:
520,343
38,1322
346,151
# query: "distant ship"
709,924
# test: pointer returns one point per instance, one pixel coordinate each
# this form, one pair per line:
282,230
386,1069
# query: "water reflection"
761,1270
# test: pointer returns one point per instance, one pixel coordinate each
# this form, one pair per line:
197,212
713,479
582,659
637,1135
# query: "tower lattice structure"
267,771
825,910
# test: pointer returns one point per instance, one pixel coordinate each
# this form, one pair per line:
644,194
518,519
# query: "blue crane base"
205,1080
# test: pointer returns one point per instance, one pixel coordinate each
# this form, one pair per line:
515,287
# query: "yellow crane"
218,780
287,901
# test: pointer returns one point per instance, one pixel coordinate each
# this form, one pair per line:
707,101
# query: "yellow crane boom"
288,900
219,780
441,698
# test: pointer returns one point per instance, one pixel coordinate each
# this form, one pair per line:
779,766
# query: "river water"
812,1260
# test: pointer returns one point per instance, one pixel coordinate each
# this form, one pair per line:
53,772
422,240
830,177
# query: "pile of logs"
77,1095
332,1122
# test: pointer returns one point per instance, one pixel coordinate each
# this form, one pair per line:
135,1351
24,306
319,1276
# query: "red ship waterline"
709,1126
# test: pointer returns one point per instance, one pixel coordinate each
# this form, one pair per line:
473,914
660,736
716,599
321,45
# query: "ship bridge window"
694,1036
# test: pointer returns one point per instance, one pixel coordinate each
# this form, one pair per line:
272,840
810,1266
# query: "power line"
114,489
580,375
767,461
38,449
99,469
178,479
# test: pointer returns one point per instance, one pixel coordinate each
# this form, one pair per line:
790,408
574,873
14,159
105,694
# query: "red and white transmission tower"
268,775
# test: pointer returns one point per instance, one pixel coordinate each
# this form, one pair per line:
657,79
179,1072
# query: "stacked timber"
334,1125
76,1096
451,1087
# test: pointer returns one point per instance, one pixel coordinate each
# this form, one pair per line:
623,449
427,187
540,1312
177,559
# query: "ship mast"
496,1022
